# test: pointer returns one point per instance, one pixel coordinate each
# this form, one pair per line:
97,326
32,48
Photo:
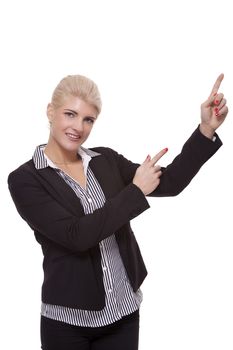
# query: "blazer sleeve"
177,175
46,215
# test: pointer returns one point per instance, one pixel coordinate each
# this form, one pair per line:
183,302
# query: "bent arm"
45,215
177,175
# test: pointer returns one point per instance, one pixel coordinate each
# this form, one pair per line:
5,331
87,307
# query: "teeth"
73,136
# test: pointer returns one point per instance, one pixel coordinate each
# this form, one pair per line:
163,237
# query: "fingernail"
216,102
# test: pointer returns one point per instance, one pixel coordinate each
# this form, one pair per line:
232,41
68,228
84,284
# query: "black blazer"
70,239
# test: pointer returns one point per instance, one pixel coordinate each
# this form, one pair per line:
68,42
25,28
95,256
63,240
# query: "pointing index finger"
159,155
217,84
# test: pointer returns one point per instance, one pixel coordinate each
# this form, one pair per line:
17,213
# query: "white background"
155,63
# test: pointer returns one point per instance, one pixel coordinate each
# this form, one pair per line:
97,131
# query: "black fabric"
123,334
70,239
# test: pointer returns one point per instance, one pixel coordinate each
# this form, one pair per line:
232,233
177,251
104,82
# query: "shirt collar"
41,161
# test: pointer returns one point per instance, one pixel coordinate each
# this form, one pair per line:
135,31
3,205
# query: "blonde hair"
77,86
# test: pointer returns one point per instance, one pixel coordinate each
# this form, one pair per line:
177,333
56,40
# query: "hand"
147,176
214,110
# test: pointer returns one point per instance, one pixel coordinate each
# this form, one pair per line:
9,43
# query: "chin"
71,147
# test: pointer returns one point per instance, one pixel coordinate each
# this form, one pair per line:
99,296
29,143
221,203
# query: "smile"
73,137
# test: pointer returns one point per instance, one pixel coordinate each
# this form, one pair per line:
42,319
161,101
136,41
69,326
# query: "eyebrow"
71,110
76,113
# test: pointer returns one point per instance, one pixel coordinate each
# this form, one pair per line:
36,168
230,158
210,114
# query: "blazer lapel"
60,190
105,175
103,172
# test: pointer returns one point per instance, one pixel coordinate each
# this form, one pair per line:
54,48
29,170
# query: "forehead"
78,105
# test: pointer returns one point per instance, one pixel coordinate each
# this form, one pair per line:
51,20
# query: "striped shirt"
120,299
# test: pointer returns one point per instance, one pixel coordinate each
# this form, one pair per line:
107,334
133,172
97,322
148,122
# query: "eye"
89,120
69,114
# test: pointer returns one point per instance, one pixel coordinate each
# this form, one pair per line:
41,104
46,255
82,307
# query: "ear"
50,112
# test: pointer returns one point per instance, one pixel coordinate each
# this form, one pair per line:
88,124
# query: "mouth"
73,137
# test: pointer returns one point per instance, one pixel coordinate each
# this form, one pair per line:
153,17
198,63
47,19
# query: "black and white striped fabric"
119,296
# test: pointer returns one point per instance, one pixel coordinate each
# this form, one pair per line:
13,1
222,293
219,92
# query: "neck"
60,156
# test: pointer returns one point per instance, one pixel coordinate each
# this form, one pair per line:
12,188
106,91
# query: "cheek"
56,130
88,128
58,124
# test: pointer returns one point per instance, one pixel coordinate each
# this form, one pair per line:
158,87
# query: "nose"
78,124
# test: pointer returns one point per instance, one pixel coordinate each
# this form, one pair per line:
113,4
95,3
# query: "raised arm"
196,151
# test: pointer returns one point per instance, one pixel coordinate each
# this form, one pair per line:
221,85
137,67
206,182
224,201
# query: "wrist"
206,130
138,186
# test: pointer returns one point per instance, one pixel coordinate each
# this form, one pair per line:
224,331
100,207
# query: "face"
71,123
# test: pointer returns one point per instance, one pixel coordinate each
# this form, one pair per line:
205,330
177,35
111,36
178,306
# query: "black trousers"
121,335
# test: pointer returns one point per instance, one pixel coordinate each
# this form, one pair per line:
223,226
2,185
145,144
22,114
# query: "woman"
79,202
